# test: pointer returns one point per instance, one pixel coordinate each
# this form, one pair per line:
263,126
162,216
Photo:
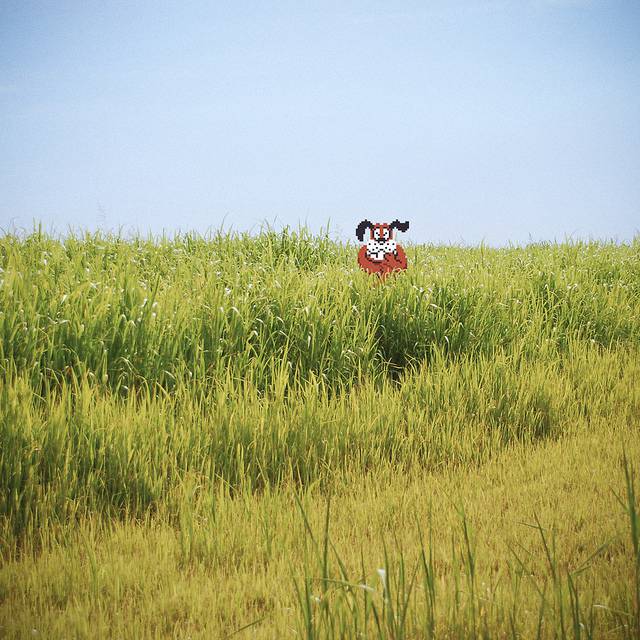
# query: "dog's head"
380,231
381,240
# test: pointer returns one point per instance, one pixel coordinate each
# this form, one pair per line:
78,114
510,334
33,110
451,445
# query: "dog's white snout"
376,249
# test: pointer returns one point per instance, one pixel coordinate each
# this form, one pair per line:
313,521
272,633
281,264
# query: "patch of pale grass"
135,579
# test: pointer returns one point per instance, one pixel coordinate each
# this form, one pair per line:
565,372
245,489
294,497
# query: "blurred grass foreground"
244,435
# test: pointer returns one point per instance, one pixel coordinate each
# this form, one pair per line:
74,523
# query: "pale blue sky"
476,120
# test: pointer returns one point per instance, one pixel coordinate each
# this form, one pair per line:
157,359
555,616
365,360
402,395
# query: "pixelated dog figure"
382,254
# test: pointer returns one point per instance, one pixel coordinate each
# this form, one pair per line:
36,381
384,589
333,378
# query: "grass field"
249,437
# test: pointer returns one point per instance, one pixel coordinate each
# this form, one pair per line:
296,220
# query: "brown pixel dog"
382,254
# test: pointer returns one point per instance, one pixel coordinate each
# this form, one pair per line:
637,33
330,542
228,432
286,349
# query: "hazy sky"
500,121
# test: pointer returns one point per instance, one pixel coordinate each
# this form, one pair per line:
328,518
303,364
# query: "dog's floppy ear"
361,228
402,226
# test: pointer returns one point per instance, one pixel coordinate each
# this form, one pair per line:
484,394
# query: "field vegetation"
248,436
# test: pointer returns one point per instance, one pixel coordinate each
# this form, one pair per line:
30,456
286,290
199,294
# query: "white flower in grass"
383,577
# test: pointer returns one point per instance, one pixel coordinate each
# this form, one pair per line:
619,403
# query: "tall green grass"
177,413
128,366
158,313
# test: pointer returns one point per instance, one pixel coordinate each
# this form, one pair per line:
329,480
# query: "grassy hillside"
202,434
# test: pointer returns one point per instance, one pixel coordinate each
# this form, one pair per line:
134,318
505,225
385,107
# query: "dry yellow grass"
134,580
